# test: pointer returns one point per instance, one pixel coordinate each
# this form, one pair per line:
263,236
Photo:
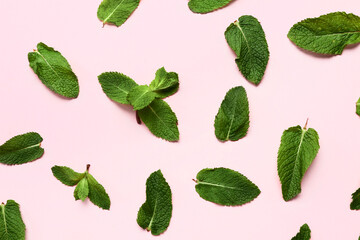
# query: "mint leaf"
87,186
304,234
160,120
232,120
140,97
12,226
54,71
247,39
225,187
116,86
116,11
358,107
206,6
327,34
298,148
355,204
82,190
21,149
155,214
66,175
165,83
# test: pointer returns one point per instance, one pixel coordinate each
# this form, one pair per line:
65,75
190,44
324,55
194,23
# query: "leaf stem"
195,180
138,120
307,120
87,167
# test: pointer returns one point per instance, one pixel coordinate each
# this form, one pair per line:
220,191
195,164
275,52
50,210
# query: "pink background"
93,129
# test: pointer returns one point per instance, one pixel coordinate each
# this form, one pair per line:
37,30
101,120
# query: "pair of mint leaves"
118,11
146,99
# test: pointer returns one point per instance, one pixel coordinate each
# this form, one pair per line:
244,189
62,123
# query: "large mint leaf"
116,11
155,214
116,86
358,107
54,71
327,34
165,83
232,120
355,204
97,193
247,39
225,187
298,148
206,6
160,120
66,175
21,149
12,226
140,97
304,234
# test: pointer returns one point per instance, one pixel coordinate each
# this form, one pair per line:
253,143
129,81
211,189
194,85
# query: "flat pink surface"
93,129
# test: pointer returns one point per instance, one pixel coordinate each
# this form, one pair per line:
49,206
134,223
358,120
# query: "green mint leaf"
232,120
298,148
160,120
327,34
225,187
165,83
54,71
247,39
116,11
82,190
116,86
12,226
87,186
355,204
21,149
66,175
206,6
140,97
155,214
97,193
304,234
358,107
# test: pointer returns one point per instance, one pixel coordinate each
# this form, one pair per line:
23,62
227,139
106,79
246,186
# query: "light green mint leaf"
165,83
232,120
358,107
225,187
304,234
247,39
21,149
12,226
116,11
87,186
155,214
206,6
327,34
140,97
355,204
54,71
160,120
298,148
97,193
82,190
66,175
116,86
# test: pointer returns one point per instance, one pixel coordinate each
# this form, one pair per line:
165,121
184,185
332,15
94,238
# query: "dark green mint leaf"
160,120
116,86
66,175
54,71
304,234
247,39
21,149
116,11
155,214
225,187
298,148
355,204
232,120
97,193
206,6
12,226
327,34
